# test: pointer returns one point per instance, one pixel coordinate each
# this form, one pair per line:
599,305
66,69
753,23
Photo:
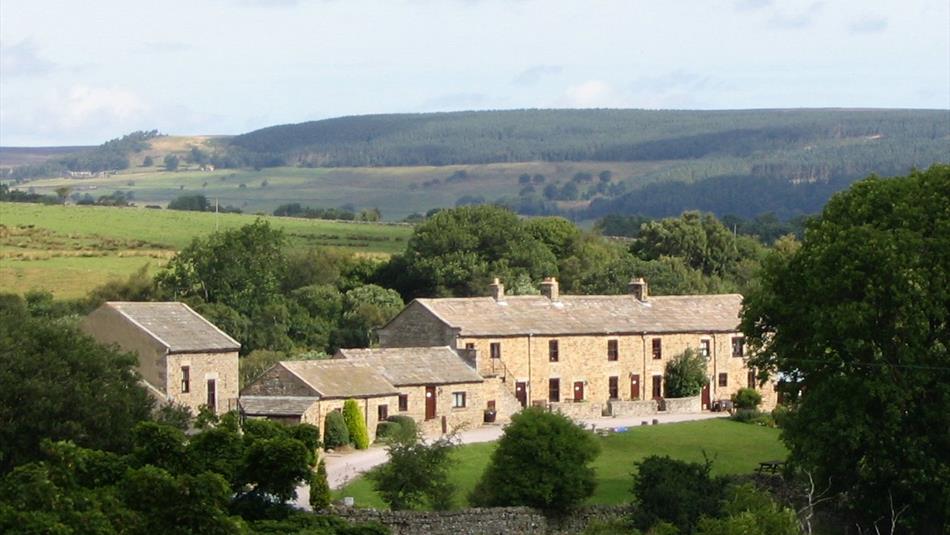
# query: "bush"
685,375
542,461
408,430
780,415
385,431
335,433
355,424
320,488
417,474
678,492
310,436
747,398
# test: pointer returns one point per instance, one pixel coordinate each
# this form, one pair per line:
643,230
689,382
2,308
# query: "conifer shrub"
355,424
320,488
334,430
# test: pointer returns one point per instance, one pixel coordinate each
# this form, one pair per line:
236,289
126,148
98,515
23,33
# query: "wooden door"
579,391
705,396
657,386
430,402
212,396
521,392
635,386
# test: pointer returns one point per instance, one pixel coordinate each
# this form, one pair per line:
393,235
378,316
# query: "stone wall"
415,326
632,408
580,409
681,405
499,520
222,368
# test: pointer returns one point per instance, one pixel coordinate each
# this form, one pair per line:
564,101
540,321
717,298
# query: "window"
469,346
613,351
212,396
185,379
738,344
657,348
458,400
382,412
403,402
552,350
752,380
723,379
613,387
554,390
704,348
496,350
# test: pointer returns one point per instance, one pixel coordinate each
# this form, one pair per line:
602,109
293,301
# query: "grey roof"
275,405
587,314
176,326
340,378
406,366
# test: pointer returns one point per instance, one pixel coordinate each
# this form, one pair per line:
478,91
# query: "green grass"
388,188
69,250
735,448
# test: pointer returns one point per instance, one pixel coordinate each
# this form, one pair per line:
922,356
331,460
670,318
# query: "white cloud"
23,59
868,25
593,94
83,104
533,75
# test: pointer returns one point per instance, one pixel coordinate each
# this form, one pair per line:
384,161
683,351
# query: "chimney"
498,290
549,288
638,288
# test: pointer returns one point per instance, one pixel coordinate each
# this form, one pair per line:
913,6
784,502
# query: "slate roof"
587,314
176,326
410,366
340,378
275,405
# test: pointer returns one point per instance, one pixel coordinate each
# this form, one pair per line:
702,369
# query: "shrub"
385,431
408,430
417,473
747,398
685,375
678,492
335,433
542,461
310,436
320,488
780,415
355,424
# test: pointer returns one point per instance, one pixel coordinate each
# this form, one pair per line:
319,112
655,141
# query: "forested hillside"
812,141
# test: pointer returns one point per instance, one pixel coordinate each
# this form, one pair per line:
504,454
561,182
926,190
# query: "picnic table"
770,466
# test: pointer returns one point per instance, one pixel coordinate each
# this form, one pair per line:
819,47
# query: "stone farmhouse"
183,358
587,355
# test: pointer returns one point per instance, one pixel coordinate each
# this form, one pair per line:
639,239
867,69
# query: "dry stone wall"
493,521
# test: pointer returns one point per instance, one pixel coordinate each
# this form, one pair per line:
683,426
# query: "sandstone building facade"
586,355
182,357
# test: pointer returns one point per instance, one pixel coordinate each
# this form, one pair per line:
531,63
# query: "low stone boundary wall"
633,408
578,409
682,405
486,521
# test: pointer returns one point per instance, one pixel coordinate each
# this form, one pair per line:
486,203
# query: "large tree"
856,321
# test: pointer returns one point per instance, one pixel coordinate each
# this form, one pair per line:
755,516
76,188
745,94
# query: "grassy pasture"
735,448
70,249
396,191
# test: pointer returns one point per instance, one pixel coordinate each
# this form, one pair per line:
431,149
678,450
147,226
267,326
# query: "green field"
396,191
68,250
735,448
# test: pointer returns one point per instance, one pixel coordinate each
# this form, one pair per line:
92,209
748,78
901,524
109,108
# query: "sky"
80,73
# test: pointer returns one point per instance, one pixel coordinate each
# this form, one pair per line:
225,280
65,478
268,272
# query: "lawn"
735,448
68,250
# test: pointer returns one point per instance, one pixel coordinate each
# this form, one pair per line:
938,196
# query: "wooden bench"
771,467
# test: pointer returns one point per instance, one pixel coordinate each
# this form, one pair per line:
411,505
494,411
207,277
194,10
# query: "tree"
678,492
275,467
148,161
750,511
685,375
542,461
58,383
355,424
63,192
335,432
366,308
171,162
856,321
416,474
194,203
320,488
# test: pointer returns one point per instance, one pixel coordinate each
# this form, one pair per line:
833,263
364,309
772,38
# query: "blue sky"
83,72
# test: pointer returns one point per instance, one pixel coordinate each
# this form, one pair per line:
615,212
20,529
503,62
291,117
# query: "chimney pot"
549,288
638,288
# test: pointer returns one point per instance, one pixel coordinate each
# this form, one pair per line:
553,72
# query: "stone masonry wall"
222,368
681,405
500,520
579,410
415,327
632,408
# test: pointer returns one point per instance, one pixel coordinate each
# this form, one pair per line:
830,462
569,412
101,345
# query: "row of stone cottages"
455,362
